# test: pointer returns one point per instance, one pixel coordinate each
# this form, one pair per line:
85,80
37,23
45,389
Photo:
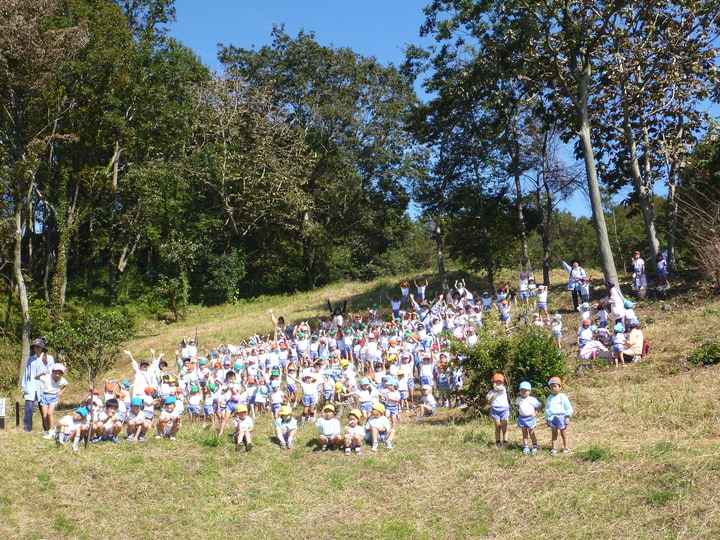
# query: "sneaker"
358,451
323,448
158,436
96,440
505,444
58,442
283,445
76,447
553,452
347,451
566,451
49,435
534,449
526,449
498,444
173,438
374,447
238,446
141,439
115,440
388,444
249,446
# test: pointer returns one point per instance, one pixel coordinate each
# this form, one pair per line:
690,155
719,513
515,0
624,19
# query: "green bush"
529,354
706,354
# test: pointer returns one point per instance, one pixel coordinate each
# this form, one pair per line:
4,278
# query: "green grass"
644,463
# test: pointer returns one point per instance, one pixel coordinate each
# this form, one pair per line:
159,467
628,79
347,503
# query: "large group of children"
362,363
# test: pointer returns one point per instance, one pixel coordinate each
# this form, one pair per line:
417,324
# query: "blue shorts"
542,305
208,410
381,435
366,406
194,409
411,383
557,421
618,347
404,394
291,388
309,401
662,272
524,294
232,405
504,318
327,394
49,399
500,413
425,380
392,410
275,407
149,415
527,422
557,335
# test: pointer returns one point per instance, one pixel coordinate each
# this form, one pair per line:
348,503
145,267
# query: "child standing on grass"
618,345
528,406
557,329
499,409
54,384
558,412
286,428
354,433
244,426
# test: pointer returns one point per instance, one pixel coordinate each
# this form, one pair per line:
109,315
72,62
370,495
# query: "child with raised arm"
528,407
558,412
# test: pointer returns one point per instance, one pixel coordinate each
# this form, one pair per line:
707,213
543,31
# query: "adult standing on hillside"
38,363
577,273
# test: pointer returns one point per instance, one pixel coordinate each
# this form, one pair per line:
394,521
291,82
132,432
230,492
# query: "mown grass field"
645,458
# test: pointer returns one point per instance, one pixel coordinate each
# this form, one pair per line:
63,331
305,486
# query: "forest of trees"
131,173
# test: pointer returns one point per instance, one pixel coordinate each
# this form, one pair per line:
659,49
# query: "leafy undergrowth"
644,463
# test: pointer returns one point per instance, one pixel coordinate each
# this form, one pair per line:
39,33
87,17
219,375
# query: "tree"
32,55
349,110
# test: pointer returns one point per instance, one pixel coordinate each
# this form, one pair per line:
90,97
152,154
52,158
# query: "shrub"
526,355
706,354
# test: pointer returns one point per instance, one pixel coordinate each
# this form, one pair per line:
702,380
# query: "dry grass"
645,460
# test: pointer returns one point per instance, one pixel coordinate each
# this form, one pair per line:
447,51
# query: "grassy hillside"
644,463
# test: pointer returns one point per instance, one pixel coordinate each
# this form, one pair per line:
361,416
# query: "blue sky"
371,28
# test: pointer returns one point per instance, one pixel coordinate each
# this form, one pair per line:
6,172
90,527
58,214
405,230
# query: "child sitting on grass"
108,425
528,406
286,428
328,428
427,402
244,426
72,428
378,428
137,424
354,433
169,421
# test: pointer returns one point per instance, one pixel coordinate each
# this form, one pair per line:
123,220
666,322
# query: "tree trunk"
515,164
21,291
440,255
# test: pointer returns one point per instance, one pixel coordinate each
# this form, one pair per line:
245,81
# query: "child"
528,406
557,329
244,426
392,401
584,289
378,428
54,384
137,423
523,290
328,428
286,428
310,397
584,333
639,277
542,298
558,412
276,398
354,433
427,402
193,403
108,425
662,272
72,427
499,409
169,421
420,285
618,345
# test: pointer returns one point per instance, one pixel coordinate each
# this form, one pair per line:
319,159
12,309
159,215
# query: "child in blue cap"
528,407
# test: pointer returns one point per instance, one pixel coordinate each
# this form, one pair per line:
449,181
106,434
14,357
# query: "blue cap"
618,328
82,411
170,399
136,401
525,386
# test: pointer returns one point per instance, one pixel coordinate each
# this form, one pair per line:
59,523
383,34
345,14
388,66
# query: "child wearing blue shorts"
558,412
528,407
499,409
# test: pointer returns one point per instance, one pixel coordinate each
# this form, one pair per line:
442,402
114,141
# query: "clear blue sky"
371,28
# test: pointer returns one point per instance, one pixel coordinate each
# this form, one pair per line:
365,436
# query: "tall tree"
33,54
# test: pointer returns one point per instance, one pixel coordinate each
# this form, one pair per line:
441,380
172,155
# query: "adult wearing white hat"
38,363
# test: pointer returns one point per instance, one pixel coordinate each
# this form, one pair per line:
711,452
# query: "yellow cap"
285,410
